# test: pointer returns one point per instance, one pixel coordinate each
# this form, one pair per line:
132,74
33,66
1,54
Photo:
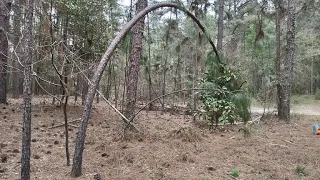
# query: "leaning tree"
77,158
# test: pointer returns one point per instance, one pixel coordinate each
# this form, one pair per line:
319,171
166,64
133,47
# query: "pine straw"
273,152
185,134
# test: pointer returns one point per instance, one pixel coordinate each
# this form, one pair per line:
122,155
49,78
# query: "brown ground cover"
170,147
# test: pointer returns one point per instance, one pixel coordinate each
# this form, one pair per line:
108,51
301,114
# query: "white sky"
125,2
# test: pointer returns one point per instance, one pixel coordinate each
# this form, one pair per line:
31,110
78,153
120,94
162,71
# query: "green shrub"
224,100
301,170
235,173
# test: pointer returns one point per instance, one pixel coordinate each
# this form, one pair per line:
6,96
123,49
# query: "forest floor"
170,146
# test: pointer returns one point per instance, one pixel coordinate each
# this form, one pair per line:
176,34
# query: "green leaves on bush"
224,101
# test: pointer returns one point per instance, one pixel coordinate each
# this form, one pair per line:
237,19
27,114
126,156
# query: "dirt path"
305,109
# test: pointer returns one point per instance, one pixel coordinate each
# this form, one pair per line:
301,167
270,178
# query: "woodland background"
52,48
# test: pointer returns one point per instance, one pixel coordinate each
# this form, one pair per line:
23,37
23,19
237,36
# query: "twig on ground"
278,145
64,124
73,126
288,141
60,125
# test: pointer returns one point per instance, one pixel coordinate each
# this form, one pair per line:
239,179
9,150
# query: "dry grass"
169,147
185,134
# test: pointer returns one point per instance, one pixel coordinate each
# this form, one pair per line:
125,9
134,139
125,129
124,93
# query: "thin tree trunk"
51,47
17,78
84,89
109,84
311,75
278,55
166,49
149,67
27,91
64,83
177,77
116,92
65,105
97,95
5,6
195,80
77,88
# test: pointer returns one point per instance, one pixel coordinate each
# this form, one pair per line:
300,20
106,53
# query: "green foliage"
235,173
301,170
224,101
246,131
205,178
317,95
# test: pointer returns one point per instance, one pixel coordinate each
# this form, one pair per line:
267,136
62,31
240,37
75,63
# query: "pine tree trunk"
287,75
177,77
77,88
134,65
27,92
165,69
109,84
220,25
17,79
149,67
5,6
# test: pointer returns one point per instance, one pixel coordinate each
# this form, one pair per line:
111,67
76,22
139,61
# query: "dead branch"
159,97
53,96
108,102
60,125
64,123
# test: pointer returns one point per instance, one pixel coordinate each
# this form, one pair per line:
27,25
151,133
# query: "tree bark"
5,6
278,55
177,77
77,158
149,66
220,26
166,49
135,56
27,92
287,75
17,79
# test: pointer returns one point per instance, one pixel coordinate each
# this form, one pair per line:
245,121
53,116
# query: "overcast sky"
125,2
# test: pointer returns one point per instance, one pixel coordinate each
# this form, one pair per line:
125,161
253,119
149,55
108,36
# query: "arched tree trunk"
77,158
